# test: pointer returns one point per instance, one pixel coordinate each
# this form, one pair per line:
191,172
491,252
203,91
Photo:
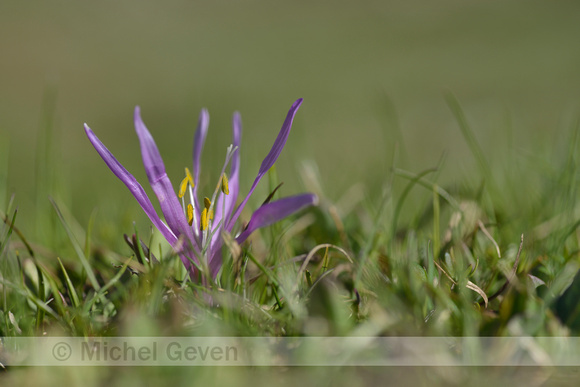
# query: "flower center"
203,229
207,214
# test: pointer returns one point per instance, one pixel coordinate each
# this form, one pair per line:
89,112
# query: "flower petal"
281,139
270,159
234,186
131,183
198,142
272,212
160,182
234,178
235,168
215,261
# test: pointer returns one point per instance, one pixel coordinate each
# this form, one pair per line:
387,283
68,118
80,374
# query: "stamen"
204,220
188,180
190,214
189,177
183,187
192,201
207,214
225,186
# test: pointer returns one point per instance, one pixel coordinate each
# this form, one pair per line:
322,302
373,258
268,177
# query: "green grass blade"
89,233
142,257
404,195
25,291
4,242
436,222
103,290
469,136
263,269
60,304
71,289
78,249
431,186
4,158
41,296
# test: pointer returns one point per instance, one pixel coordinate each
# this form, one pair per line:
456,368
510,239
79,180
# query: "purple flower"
194,228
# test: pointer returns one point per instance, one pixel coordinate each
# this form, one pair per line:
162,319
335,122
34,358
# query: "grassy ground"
492,254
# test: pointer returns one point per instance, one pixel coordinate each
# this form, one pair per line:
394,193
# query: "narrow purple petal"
270,159
234,186
215,261
134,187
152,160
272,212
198,142
281,139
234,177
160,182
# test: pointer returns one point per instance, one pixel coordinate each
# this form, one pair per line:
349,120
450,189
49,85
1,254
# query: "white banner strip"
290,351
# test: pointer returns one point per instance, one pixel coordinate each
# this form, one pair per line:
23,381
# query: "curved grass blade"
77,247
89,232
431,186
42,296
469,136
61,307
4,242
25,291
71,289
404,195
18,233
100,294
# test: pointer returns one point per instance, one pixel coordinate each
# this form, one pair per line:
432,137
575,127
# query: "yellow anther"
188,180
189,177
225,187
207,203
204,220
210,215
183,187
189,214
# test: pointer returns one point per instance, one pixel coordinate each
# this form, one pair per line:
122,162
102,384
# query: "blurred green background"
372,74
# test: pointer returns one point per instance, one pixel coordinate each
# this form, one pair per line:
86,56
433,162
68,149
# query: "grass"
494,253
